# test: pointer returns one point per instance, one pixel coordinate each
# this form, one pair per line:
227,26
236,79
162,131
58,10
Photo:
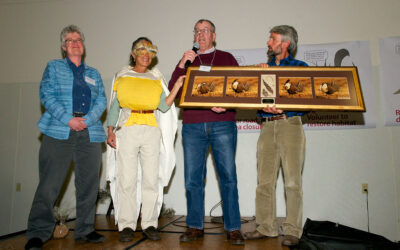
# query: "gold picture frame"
288,88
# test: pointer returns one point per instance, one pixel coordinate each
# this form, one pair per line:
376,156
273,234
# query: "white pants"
143,142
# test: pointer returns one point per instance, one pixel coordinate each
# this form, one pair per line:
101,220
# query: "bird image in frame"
329,87
293,88
204,87
240,87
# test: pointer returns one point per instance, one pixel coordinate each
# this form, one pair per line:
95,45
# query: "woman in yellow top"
134,134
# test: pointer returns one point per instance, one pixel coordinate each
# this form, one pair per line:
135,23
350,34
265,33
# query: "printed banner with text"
389,52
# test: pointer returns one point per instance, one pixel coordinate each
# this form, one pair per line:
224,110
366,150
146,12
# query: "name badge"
90,80
205,68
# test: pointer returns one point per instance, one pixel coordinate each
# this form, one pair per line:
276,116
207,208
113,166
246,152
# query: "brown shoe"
126,235
191,234
235,237
152,233
289,240
255,235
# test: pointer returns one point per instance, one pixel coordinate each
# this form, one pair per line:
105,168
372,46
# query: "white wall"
337,162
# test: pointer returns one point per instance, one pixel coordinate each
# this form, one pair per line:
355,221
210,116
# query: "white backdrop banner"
389,52
332,54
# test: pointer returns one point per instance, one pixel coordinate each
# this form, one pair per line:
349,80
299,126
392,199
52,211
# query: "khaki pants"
280,142
143,142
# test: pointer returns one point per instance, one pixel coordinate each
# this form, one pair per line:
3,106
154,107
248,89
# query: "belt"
274,118
78,114
143,111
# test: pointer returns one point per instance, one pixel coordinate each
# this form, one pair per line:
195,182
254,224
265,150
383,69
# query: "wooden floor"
170,230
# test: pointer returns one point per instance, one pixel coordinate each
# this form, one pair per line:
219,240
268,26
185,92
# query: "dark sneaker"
191,234
126,235
152,233
92,237
34,244
235,237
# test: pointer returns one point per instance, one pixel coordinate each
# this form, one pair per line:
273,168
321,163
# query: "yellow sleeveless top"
138,93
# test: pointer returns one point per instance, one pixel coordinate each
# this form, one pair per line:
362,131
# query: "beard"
272,53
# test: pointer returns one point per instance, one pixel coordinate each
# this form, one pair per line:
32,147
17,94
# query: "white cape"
167,123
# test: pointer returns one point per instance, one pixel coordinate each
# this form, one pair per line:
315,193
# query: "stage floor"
170,229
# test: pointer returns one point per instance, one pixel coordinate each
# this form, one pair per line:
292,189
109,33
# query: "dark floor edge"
3,237
12,235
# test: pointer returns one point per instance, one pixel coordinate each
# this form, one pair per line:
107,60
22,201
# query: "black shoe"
92,237
151,233
34,244
126,235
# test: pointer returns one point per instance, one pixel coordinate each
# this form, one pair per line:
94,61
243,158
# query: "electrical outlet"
364,188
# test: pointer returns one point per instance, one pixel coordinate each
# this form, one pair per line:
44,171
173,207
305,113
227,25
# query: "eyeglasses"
205,31
71,41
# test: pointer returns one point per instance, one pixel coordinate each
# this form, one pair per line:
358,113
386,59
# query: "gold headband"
142,47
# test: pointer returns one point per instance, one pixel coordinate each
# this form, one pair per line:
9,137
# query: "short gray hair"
70,29
288,33
208,21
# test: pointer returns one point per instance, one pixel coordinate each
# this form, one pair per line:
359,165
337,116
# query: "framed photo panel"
289,88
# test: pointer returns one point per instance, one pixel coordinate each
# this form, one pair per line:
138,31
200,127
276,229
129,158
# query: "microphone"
195,48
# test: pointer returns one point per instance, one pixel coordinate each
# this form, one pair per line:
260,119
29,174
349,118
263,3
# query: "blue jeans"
221,136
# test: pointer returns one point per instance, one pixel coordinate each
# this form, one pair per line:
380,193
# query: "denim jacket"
56,98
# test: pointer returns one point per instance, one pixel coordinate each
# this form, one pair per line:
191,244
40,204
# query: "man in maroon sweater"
203,128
